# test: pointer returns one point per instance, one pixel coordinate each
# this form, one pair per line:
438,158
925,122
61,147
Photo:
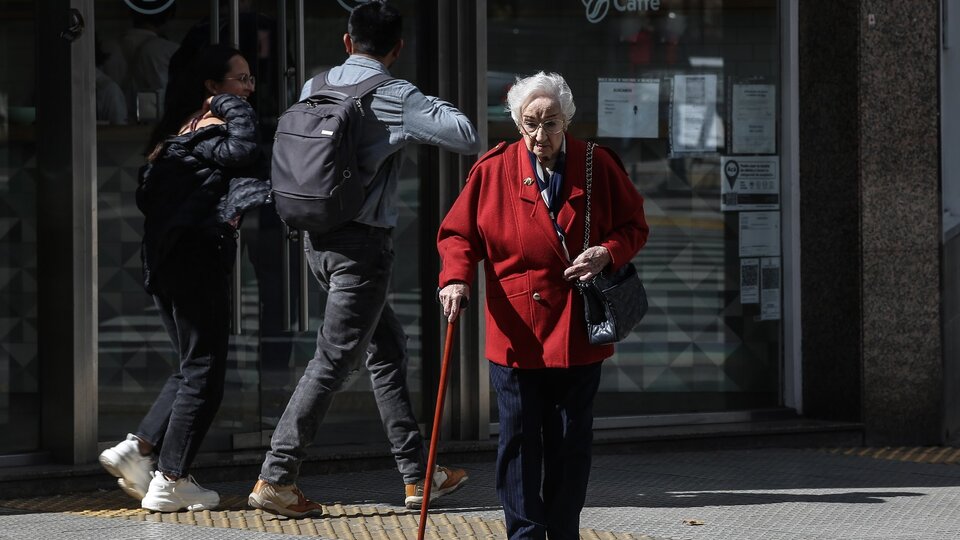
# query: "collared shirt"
550,183
401,115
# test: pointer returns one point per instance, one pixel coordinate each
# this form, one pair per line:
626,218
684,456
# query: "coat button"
536,296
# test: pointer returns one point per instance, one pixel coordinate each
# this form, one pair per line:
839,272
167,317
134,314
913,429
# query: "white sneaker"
131,468
175,495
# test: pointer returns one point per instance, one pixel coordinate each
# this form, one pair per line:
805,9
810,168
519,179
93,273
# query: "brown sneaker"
284,500
445,482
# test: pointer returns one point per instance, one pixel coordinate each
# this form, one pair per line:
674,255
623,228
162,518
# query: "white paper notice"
770,289
754,119
749,281
760,234
694,128
628,108
750,183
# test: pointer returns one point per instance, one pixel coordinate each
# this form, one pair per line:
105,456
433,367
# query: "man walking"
354,264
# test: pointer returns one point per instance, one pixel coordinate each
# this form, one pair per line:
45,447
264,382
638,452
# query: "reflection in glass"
700,348
353,417
19,366
142,54
268,357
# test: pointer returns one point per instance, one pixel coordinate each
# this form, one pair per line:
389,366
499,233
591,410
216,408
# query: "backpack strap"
318,82
362,88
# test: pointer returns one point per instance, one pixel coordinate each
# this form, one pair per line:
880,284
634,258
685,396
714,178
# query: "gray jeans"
353,265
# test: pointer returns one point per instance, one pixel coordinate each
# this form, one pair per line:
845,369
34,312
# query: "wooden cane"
437,418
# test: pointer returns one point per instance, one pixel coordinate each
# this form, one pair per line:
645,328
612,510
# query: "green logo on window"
149,7
597,9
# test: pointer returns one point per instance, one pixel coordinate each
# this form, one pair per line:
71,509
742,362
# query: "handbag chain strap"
586,232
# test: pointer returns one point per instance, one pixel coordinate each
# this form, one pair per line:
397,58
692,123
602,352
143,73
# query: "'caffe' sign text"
597,9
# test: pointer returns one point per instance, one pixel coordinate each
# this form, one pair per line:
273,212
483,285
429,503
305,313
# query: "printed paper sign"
694,128
628,108
750,183
760,234
770,289
754,119
749,281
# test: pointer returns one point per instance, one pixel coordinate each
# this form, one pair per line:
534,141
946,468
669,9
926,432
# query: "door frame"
67,321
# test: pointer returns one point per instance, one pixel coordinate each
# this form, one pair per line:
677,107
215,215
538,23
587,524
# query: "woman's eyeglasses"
243,79
550,126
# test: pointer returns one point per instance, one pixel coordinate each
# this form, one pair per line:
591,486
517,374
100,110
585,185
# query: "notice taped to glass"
749,281
754,119
770,289
628,108
760,234
694,128
749,183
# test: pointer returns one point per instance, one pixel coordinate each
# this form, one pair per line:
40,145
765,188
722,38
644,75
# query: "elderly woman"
522,213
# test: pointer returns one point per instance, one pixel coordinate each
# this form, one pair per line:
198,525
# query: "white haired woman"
522,213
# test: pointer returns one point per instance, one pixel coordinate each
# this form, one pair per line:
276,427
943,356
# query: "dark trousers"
196,314
354,265
546,423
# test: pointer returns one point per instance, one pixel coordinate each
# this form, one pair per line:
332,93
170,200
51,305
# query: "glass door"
687,94
278,305
290,301
136,41
19,363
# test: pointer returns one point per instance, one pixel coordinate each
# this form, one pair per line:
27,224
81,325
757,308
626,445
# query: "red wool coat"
534,317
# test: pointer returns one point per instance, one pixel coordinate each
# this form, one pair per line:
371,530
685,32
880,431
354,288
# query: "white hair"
551,85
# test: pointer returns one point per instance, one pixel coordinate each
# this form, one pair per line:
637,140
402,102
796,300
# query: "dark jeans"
195,311
546,422
353,265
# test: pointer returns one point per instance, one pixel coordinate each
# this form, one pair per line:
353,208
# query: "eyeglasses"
550,126
243,79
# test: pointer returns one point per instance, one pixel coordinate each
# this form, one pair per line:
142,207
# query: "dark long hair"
189,70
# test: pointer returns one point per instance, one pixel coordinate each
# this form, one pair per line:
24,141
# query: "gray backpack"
316,185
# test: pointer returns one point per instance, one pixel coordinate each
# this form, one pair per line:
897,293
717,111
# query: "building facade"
802,258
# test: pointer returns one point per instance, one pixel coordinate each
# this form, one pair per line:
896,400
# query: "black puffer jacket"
180,191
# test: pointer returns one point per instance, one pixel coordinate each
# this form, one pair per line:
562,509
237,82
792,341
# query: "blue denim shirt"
401,115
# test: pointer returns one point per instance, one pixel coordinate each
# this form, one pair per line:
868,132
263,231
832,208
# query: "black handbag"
615,302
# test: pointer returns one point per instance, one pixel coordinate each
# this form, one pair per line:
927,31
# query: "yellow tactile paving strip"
341,521
348,522
916,454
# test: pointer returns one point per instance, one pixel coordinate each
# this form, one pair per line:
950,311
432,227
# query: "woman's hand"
453,297
588,264
207,118
206,105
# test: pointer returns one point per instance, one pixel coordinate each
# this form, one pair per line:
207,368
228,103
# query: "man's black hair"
375,28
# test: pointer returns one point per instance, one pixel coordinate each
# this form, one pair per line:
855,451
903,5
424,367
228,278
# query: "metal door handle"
304,312
75,25
304,289
237,285
285,278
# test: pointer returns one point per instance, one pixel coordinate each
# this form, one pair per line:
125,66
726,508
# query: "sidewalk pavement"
764,494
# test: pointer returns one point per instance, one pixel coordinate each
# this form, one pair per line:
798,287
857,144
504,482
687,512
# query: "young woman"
192,192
